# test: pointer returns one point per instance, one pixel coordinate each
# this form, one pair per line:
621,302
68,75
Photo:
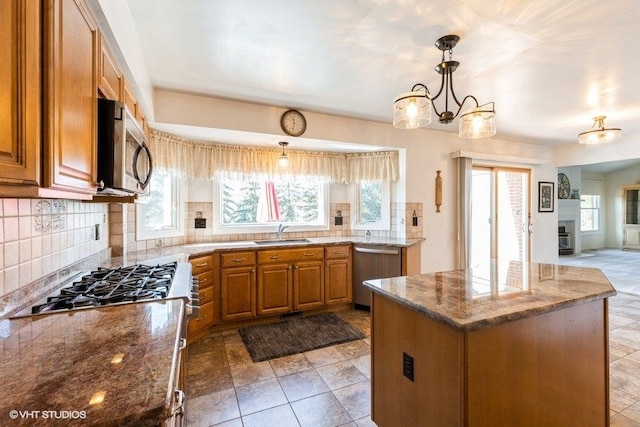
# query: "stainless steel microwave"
124,158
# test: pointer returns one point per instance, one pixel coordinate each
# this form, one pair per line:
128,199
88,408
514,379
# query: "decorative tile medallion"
49,215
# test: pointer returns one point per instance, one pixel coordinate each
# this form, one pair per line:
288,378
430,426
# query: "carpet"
297,335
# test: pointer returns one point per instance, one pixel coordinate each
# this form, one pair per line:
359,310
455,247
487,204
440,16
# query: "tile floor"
331,386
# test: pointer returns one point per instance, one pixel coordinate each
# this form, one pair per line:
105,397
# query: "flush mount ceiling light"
599,134
283,160
412,110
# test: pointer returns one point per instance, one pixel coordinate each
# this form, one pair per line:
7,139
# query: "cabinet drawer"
201,264
206,279
238,259
206,295
290,255
331,252
204,320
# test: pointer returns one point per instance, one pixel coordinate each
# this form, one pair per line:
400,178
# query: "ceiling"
549,66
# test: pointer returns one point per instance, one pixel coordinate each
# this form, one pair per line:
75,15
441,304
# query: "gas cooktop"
112,286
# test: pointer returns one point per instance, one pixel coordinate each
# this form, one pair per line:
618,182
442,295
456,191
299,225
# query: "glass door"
500,219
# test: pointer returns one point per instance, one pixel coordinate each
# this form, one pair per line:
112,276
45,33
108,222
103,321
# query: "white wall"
427,150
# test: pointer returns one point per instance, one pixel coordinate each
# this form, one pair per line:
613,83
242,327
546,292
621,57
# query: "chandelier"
598,134
283,160
412,110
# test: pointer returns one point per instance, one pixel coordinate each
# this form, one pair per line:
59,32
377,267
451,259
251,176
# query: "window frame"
384,224
178,189
219,228
598,210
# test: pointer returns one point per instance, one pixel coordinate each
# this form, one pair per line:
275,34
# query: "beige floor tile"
363,364
290,364
323,356
302,384
340,374
256,397
251,373
354,349
322,410
281,416
356,399
212,408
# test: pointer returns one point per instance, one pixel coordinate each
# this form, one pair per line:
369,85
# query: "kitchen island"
526,347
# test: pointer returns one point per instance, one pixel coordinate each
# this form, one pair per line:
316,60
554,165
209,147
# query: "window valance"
206,160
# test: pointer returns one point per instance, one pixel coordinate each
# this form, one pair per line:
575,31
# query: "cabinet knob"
100,185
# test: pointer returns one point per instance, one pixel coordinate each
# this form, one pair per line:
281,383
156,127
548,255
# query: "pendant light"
599,134
283,160
412,109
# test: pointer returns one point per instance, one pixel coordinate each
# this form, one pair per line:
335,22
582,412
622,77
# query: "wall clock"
293,123
564,187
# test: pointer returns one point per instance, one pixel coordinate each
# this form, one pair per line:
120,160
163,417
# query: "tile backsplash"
38,237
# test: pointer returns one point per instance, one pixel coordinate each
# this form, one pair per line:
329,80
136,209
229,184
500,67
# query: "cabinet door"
274,289
237,288
308,285
70,96
338,287
20,92
111,83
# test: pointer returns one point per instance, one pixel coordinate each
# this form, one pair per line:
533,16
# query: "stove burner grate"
110,286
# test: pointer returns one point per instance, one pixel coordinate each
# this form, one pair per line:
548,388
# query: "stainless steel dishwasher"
373,262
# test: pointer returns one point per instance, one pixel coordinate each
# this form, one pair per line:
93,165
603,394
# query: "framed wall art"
546,196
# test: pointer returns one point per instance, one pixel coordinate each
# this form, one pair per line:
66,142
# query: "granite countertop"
181,253
468,303
60,362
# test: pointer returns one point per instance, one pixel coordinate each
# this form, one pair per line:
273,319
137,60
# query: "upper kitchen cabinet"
20,93
111,83
70,97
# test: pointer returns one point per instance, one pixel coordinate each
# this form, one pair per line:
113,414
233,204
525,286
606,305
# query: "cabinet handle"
309,254
337,252
238,259
202,280
202,265
274,256
183,344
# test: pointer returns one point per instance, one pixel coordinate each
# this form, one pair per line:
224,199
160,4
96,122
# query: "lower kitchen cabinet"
206,268
337,277
237,286
274,289
308,285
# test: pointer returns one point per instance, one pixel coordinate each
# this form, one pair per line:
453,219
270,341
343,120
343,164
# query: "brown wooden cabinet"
308,284
70,96
237,285
20,92
111,82
338,278
274,289
206,269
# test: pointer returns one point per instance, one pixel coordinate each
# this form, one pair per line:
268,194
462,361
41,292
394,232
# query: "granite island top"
103,366
469,303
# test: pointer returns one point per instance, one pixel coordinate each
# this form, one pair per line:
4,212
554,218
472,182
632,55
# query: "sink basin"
275,242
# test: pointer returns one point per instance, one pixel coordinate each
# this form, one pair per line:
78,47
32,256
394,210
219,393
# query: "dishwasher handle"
376,251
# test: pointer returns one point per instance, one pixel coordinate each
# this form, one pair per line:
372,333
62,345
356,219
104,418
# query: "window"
257,205
589,212
371,202
162,214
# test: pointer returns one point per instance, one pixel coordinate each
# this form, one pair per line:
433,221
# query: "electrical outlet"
200,223
407,366
96,234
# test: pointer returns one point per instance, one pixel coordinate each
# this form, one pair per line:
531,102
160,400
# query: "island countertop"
468,303
103,366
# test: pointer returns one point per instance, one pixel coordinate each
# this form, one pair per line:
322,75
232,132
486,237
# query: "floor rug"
297,335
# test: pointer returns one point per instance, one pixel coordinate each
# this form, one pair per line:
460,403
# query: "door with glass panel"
500,221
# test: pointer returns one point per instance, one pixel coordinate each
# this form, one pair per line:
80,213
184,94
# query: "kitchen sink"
275,242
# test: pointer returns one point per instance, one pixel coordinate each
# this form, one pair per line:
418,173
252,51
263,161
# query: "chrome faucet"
281,228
